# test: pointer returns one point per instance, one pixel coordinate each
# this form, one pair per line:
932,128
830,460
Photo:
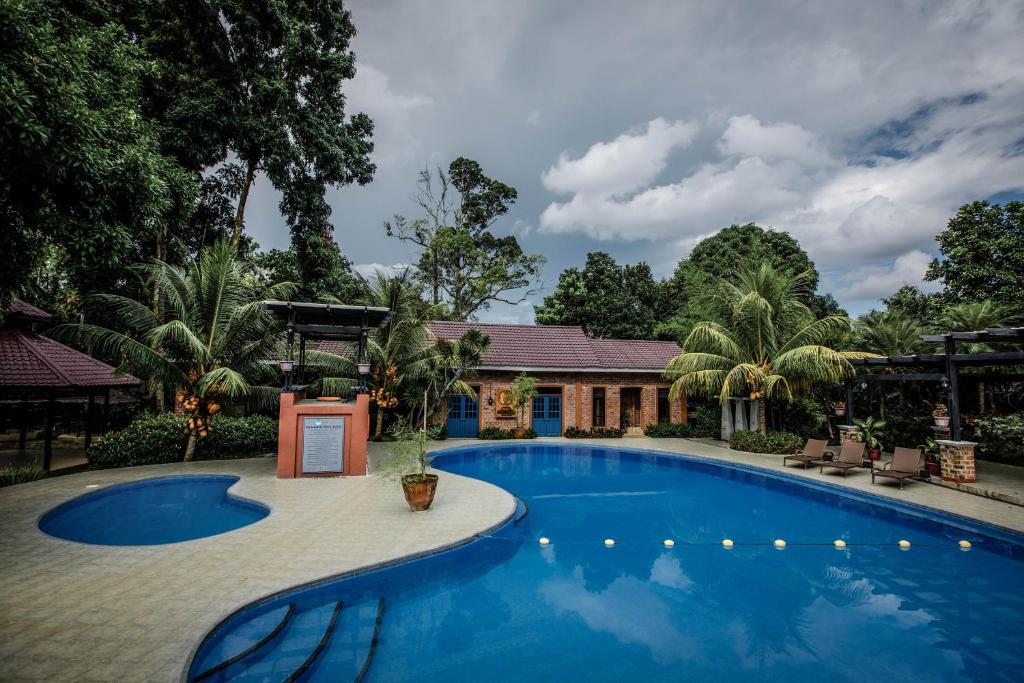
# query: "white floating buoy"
904,545
609,542
965,545
92,486
544,541
727,543
669,543
839,543
779,543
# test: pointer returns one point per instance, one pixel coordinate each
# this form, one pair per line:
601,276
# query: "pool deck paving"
77,612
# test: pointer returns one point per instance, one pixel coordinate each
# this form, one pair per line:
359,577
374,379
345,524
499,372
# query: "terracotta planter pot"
840,412
941,421
519,432
875,454
934,468
419,494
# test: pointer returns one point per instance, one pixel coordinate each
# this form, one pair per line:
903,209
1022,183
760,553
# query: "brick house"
583,382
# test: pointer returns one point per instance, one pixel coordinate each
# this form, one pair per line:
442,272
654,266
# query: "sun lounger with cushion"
905,463
852,455
814,450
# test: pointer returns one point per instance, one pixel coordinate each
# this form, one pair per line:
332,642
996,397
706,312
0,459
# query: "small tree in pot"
940,413
870,430
524,390
408,462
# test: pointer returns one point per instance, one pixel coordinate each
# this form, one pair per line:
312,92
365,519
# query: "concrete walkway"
75,612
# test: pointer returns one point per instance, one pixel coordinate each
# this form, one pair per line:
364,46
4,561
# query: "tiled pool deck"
77,612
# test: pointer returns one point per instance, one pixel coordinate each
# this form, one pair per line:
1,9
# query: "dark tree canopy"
983,255
911,302
606,299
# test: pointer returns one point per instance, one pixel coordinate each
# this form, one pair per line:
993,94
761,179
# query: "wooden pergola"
945,367
36,368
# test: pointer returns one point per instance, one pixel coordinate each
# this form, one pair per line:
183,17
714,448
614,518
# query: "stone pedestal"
847,432
957,458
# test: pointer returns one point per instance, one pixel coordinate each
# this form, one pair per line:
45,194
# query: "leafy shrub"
595,433
1001,438
908,431
437,432
494,433
19,474
803,416
530,433
706,420
670,430
160,438
772,442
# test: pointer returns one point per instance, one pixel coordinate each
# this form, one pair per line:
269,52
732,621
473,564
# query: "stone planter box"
957,458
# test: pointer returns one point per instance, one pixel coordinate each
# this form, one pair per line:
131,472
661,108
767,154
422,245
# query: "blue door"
547,415
463,417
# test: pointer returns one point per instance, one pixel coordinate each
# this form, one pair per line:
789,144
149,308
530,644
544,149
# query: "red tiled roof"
560,347
28,359
26,311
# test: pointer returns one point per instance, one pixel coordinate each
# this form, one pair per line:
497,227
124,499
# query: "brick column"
847,432
957,459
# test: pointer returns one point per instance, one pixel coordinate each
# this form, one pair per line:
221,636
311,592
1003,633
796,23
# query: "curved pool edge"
113,488
512,518
962,521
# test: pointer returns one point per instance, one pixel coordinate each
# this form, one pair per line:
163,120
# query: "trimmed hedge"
784,443
669,430
595,433
161,438
1001,439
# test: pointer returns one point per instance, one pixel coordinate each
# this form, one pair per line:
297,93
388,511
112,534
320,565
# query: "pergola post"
954,389
48,437
106,411
23,427
88,420
849,400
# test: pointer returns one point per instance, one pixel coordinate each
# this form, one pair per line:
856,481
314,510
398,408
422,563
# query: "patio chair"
905,463
814,450
852,455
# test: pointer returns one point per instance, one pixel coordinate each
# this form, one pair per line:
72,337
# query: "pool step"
295,651
350,651
245,643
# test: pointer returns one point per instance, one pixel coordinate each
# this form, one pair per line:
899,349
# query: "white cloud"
871,282
533,118
745,136
628,162
394,115
369,270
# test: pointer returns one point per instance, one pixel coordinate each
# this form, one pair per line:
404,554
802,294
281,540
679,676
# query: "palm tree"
891,333
214,343
768,344
971,317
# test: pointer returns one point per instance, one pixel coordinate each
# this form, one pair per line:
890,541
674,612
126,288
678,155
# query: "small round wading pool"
153,512
506,607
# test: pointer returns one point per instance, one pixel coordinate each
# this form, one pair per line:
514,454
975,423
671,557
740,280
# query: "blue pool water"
504,608
153,511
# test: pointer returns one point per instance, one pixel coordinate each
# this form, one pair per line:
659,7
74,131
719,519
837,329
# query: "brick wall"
577,397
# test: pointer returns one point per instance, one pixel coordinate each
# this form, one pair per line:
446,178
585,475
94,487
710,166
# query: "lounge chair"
814,450
852,455
905,463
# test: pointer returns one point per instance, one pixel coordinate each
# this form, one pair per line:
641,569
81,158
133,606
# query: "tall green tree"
606,299
890,333
462,263
82,163
213,343
770,346
982,255
913,303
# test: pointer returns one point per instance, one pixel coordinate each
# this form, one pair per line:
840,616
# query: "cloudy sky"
639,128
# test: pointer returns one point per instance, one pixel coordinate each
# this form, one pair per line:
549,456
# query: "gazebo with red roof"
34,366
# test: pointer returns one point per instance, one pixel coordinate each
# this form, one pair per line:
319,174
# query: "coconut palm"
891,333
972,317
768,344
213,344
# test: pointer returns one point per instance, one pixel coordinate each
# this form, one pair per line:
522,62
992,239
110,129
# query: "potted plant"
839,407
408,462
932,457
870,430
524,389
941,415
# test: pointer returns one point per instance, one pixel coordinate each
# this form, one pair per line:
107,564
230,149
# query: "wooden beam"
88,420
903,377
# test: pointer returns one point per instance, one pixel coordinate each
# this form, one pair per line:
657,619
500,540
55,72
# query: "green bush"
669,430
530,433
494,433
772,442
19,474
1001,438
437,432
706,420
595,433
803,416
908,431
154,439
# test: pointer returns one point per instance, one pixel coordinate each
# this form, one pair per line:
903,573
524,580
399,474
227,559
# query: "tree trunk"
379,431
243,197
190,449
161,254
762,415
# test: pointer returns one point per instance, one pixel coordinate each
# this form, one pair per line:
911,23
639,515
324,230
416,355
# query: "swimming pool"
506,608
153,512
